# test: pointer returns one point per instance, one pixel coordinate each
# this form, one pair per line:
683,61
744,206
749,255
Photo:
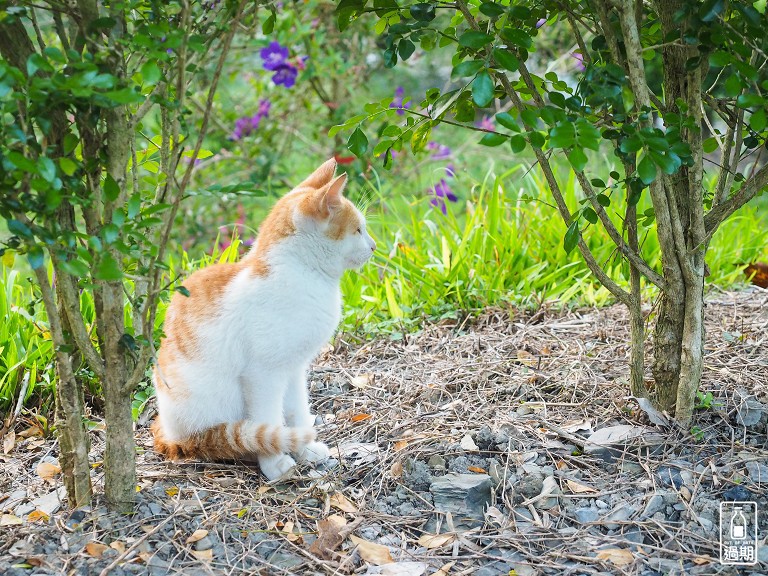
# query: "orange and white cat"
231,370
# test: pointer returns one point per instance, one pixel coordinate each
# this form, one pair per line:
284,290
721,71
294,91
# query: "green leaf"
423,12
758,120
67,166
603,200
357,143
19,229
36,257
517,37
421,137
749,100
590,215
150,72
182,290
406,48
507,120
493,139
536,138
46,168
571,237
22,162
269,24
563,135
475,39
111,189
491,9
711,9
467,68
578,159
482,89
709,145
107,268
646,170
124,96
506,59
517,143
76,268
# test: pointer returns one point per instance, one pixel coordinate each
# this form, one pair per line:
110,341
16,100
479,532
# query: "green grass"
500,245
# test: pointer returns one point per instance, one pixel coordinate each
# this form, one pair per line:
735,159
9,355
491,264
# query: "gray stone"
155,509
464,495
749,412
496,472
758,472
655,504
601,503
585,515
621,513
205,543
285,560
436,462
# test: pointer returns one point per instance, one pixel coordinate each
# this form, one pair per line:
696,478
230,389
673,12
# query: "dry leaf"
362,381
145,556
618,556
360,417
38,516
338,500
197,535
444,569
328,537
9,442
400,444
396,469
47,470
477,470
205,555
578,488
264,489
172,491
526,358
370,552
95,549
10,520
468,444
118,545
431,541
30,432
287,531
700,560
561,465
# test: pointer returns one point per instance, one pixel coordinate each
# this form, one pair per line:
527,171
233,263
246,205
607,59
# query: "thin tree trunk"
70,427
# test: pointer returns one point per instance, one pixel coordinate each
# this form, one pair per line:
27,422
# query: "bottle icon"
738,524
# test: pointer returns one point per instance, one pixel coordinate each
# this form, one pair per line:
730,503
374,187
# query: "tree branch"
751,188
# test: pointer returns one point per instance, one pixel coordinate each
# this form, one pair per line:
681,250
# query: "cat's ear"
332,197
321,176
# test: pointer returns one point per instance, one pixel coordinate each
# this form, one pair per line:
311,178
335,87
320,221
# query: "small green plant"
704,401
697,433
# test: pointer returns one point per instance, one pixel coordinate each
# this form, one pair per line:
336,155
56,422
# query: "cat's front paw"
314,452
275,467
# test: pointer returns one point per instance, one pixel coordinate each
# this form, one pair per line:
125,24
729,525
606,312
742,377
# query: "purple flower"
442,192
285,75
450,171
264,107
541,22
579,57
441,152
397,102
274,56
486,123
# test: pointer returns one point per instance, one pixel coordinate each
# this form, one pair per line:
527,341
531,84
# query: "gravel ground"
504,444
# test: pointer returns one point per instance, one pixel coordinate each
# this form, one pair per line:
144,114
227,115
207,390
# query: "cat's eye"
358,231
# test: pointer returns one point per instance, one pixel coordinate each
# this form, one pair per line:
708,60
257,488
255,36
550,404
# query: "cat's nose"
373,246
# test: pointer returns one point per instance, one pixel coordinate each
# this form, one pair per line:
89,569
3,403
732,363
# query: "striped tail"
233,440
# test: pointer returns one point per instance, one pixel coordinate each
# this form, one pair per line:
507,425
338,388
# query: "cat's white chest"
285,319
